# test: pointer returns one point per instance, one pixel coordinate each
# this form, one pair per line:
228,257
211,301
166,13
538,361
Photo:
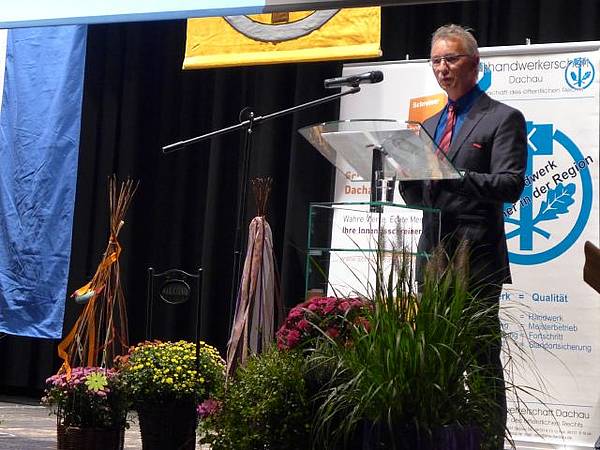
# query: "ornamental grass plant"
158,372
416,366
88,397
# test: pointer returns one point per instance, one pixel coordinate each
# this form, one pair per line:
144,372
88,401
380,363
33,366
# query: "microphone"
376,76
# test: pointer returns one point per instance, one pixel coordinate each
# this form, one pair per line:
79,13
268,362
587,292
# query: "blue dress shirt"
462,105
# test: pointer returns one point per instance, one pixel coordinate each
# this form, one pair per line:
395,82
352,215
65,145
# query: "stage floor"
26,425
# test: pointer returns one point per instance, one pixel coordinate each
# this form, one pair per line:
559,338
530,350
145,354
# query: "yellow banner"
300,36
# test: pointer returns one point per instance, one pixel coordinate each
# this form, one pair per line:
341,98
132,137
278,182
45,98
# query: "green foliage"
417,363
88,397
162,371
266,406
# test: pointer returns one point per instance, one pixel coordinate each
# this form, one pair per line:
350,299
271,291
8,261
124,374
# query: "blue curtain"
40,119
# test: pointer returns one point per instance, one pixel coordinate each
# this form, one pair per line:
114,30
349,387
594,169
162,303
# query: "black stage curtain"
137,99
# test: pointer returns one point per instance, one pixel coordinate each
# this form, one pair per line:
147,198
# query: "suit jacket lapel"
431,124
475,114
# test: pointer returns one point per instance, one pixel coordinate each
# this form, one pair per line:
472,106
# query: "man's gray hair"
452,31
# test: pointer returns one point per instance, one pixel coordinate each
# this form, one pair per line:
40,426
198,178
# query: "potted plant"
268,403
321,317
166,381
412,379
91,407
265,406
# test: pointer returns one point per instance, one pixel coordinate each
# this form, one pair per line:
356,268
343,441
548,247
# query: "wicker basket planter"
168,426
76,438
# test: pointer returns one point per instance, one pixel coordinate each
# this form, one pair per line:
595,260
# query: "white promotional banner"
550,312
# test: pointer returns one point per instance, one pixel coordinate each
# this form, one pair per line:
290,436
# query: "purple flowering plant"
208,408
88,397
322,316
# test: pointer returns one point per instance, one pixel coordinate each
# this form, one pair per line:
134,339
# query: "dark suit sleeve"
508,160
411,192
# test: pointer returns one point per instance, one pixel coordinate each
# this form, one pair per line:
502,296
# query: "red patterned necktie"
446,138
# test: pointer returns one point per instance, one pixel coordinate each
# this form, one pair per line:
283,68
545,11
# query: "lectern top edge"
392,149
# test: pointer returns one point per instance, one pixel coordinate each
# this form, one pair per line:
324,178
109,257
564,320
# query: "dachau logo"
556,202
580,73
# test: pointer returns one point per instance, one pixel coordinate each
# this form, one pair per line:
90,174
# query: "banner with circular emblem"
281,37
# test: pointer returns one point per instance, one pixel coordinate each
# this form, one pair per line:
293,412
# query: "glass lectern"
345,238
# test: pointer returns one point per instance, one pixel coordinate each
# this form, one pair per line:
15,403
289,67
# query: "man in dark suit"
486,141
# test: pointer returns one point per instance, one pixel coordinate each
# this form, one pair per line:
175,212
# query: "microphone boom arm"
258,119
241,207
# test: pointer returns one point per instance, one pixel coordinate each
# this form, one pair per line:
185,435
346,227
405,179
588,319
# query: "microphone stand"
377,180
248,125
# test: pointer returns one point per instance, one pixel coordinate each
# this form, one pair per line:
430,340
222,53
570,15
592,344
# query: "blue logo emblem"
580,73
556,202
486,77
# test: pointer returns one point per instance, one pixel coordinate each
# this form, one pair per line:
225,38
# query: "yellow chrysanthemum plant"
157,372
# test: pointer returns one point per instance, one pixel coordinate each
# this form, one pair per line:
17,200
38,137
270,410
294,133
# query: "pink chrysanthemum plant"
322,317
91,397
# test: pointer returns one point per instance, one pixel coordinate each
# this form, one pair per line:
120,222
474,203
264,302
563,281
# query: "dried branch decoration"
259,308
101,331
262,189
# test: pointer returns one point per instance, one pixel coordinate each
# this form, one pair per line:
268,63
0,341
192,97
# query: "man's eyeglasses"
450,60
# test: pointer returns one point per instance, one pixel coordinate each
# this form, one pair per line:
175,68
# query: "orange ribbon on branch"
100,333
